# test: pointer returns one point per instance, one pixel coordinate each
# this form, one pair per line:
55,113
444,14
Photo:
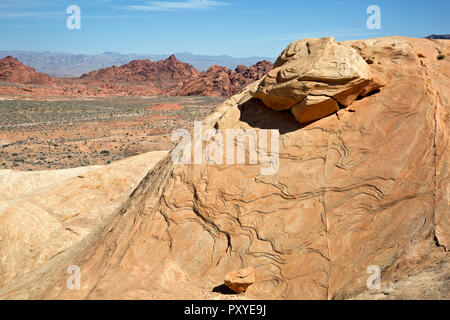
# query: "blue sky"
238,28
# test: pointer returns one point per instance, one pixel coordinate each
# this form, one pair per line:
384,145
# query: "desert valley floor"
55,133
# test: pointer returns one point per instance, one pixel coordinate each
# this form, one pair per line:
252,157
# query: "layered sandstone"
368,187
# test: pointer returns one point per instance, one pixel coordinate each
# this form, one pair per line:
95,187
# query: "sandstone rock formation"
216,81
256,71
240,280
174,77
221,81
43,213
312,77
166,72
421,281
369,187
12,70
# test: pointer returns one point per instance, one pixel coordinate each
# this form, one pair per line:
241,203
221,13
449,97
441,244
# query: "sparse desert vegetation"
37,135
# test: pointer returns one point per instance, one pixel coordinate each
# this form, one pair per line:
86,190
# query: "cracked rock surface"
369,187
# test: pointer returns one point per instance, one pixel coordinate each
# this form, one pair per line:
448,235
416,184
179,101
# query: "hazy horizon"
135,53
206,27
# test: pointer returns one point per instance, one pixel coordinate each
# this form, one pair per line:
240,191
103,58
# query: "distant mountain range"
74,65
439,36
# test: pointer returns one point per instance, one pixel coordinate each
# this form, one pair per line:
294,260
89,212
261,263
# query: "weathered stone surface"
428,279
309,74
369,187
240,280
43,213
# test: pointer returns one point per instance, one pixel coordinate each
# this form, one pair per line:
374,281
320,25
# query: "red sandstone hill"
165,72
179,78
12,70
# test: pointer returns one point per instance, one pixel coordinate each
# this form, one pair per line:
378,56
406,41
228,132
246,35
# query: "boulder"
314,107
240,280
312,77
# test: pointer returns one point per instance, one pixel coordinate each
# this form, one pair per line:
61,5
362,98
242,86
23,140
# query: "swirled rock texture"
368,187
312,77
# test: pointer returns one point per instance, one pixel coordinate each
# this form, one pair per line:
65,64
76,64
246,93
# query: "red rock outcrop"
221,81
256,71
166,73
215,81
12,70
368,187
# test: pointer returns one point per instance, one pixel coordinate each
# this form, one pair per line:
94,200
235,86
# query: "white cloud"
173,5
